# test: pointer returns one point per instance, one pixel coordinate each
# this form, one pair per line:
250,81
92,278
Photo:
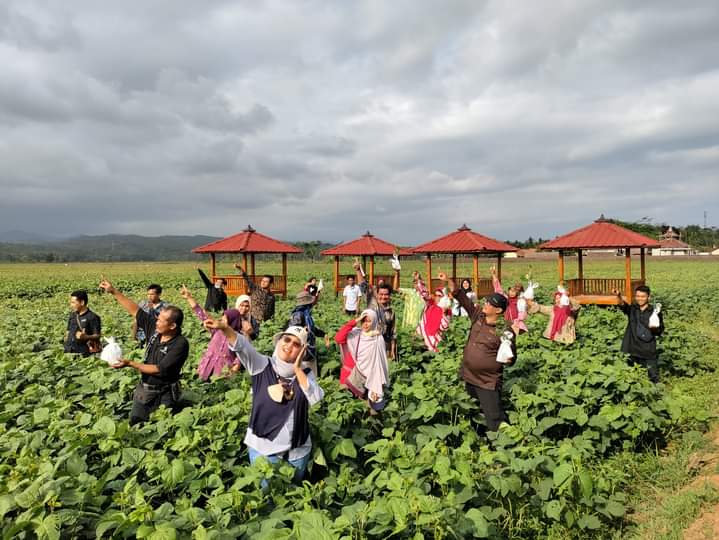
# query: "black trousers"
490,402
141,410
652,365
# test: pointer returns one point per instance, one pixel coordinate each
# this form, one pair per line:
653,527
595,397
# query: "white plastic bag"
522,303
529,291
112,352
505,354
394,261
445,302
320,285
654,321
564,298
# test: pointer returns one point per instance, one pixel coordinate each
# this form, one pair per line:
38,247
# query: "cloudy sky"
319,120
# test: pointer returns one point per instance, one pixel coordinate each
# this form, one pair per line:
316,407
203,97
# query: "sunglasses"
295,343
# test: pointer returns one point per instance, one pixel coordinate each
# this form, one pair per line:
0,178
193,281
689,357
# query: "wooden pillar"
284,274
643,264
364,262
244,262
213,266
561,266
580,271
454,267
371,269
475,273
628,273
252,264
337,273
428,279
499,267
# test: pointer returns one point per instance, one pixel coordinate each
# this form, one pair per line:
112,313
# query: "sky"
321,120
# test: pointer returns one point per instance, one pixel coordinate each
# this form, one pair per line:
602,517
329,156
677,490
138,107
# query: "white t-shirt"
352,294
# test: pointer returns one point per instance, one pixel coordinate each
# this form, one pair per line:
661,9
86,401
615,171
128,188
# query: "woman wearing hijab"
436,314
217,356
302,316
562,325
364,359
282,394
466,286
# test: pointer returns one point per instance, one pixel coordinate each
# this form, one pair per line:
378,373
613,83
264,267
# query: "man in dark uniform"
640,339
83,326
166,352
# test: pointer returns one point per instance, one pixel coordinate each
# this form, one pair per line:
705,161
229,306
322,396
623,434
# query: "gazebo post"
371,269
454,267
642,265
337,274
628,273
429,271
475,272
499,266
244,262
580,271
252,264
561,266
212,265
284,274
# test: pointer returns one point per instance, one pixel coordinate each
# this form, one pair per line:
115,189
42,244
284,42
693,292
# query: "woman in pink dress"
218,357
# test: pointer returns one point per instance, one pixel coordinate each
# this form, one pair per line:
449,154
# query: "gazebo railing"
236,285
599,286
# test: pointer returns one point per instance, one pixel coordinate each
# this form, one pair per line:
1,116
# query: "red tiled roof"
464,240
248,241
600,234
367,244
673,243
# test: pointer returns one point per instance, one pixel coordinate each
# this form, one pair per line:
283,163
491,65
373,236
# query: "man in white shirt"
352,294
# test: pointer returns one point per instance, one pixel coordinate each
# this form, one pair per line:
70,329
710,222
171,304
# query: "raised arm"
461,296
420,287
495,280
621,304
205,279
250,284
129,305
253,361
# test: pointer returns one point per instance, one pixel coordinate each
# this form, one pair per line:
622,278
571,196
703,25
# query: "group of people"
285,384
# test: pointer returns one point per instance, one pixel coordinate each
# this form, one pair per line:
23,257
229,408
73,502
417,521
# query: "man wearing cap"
481,372
302,316
282,394
379,300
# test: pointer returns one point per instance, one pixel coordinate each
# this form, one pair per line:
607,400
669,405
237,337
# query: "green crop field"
586,430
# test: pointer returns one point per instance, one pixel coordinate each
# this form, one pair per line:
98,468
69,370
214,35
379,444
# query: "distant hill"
24,237
111,247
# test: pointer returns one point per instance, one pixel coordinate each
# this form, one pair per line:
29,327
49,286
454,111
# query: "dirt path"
706,526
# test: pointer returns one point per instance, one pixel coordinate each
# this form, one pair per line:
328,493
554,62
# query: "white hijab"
370,354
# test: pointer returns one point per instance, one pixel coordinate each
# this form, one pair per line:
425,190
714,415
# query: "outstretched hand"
442,276
493,270
215,324
106,286
415,275
185,292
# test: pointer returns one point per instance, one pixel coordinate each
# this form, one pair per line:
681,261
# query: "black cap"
498,300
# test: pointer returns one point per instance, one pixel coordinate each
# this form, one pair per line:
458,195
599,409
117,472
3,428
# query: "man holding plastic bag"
166,352
486,353
645,324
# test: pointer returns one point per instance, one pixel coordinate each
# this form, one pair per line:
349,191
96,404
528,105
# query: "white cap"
296,331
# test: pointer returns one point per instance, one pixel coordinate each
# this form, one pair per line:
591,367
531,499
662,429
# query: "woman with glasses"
436,315
282,394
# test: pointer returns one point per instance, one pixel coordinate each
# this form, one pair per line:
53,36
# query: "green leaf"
41,415
105,425
615,508
7,503
562,474
585,482
163,532
589,521
49,528
553,509
346,448
481,527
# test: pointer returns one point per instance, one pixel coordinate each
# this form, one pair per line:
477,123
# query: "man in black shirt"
216,299
640,340
166,352
83,325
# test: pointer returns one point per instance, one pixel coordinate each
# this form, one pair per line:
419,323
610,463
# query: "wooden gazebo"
366,246
464,241
249,242
601,235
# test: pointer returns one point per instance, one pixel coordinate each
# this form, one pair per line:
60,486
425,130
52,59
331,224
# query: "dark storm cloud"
322,119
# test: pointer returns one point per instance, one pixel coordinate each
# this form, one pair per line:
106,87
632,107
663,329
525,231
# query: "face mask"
218,286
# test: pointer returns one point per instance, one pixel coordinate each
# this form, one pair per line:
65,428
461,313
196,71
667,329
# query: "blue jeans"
299,464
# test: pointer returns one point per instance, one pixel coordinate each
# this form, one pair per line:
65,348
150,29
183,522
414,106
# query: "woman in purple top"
218,358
